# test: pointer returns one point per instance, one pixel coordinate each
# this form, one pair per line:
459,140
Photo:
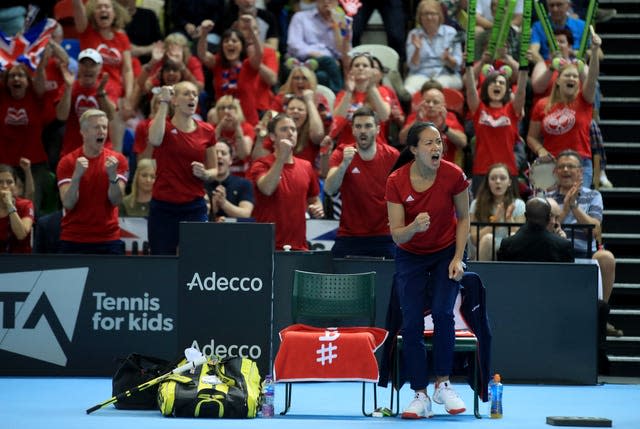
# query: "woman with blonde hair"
136,204
305,115
301,78
432,51
231,126
562,121
174,49
100,25
186,160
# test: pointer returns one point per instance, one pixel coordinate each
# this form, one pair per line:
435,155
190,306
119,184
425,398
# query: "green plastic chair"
333,300
465,341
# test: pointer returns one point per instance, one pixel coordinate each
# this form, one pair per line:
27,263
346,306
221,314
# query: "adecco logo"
214,283
39,312
222,351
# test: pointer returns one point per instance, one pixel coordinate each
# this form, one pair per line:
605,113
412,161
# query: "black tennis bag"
134,370
229,388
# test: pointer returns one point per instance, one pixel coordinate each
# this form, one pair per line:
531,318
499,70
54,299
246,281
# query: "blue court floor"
52,403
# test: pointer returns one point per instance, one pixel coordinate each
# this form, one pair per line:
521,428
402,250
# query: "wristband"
114,182
445,129
11,211
101,93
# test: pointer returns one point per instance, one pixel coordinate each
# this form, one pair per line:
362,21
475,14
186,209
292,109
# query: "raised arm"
158,124
254,54
335,176
589,86
80,16
540,77
64,105
316,128
268,183
521,92
473,101
207,58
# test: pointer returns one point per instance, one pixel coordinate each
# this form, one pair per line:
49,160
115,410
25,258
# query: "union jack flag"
26,48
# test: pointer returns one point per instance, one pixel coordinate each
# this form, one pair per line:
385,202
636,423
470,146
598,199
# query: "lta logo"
39,310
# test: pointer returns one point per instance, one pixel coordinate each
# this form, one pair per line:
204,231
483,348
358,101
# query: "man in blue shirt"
559,16
320,33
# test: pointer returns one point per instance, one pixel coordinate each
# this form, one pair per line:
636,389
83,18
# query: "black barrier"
75,315
225,289
543,315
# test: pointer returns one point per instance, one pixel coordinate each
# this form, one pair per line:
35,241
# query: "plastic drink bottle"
495,389
268,394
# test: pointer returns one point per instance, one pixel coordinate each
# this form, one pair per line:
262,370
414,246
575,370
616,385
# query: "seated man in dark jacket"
534,242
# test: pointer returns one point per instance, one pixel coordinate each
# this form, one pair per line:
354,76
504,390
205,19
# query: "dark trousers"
164,223
422,278
393,18
329,73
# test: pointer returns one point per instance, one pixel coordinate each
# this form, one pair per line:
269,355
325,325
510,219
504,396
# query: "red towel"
332,354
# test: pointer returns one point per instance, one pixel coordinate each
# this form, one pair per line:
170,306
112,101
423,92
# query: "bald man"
533,242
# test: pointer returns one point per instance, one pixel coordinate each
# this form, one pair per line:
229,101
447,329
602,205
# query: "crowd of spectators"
250,64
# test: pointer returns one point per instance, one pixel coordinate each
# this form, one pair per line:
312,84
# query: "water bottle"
268,396
488,403
495,389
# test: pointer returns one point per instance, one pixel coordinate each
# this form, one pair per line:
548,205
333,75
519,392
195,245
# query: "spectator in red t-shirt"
496,115
171,55
360,89
433,108
235,69
310,130
186,159
268,71
562,121
231,126
91,180
286,187
301,78
89,91
100,25
25,110
360,172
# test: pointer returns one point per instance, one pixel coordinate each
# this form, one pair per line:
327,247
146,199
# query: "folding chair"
330,299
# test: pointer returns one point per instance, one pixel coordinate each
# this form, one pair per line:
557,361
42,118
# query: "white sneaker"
604,180
445,394
419,408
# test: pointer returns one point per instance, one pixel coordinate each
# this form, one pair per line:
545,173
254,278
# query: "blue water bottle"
495,392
